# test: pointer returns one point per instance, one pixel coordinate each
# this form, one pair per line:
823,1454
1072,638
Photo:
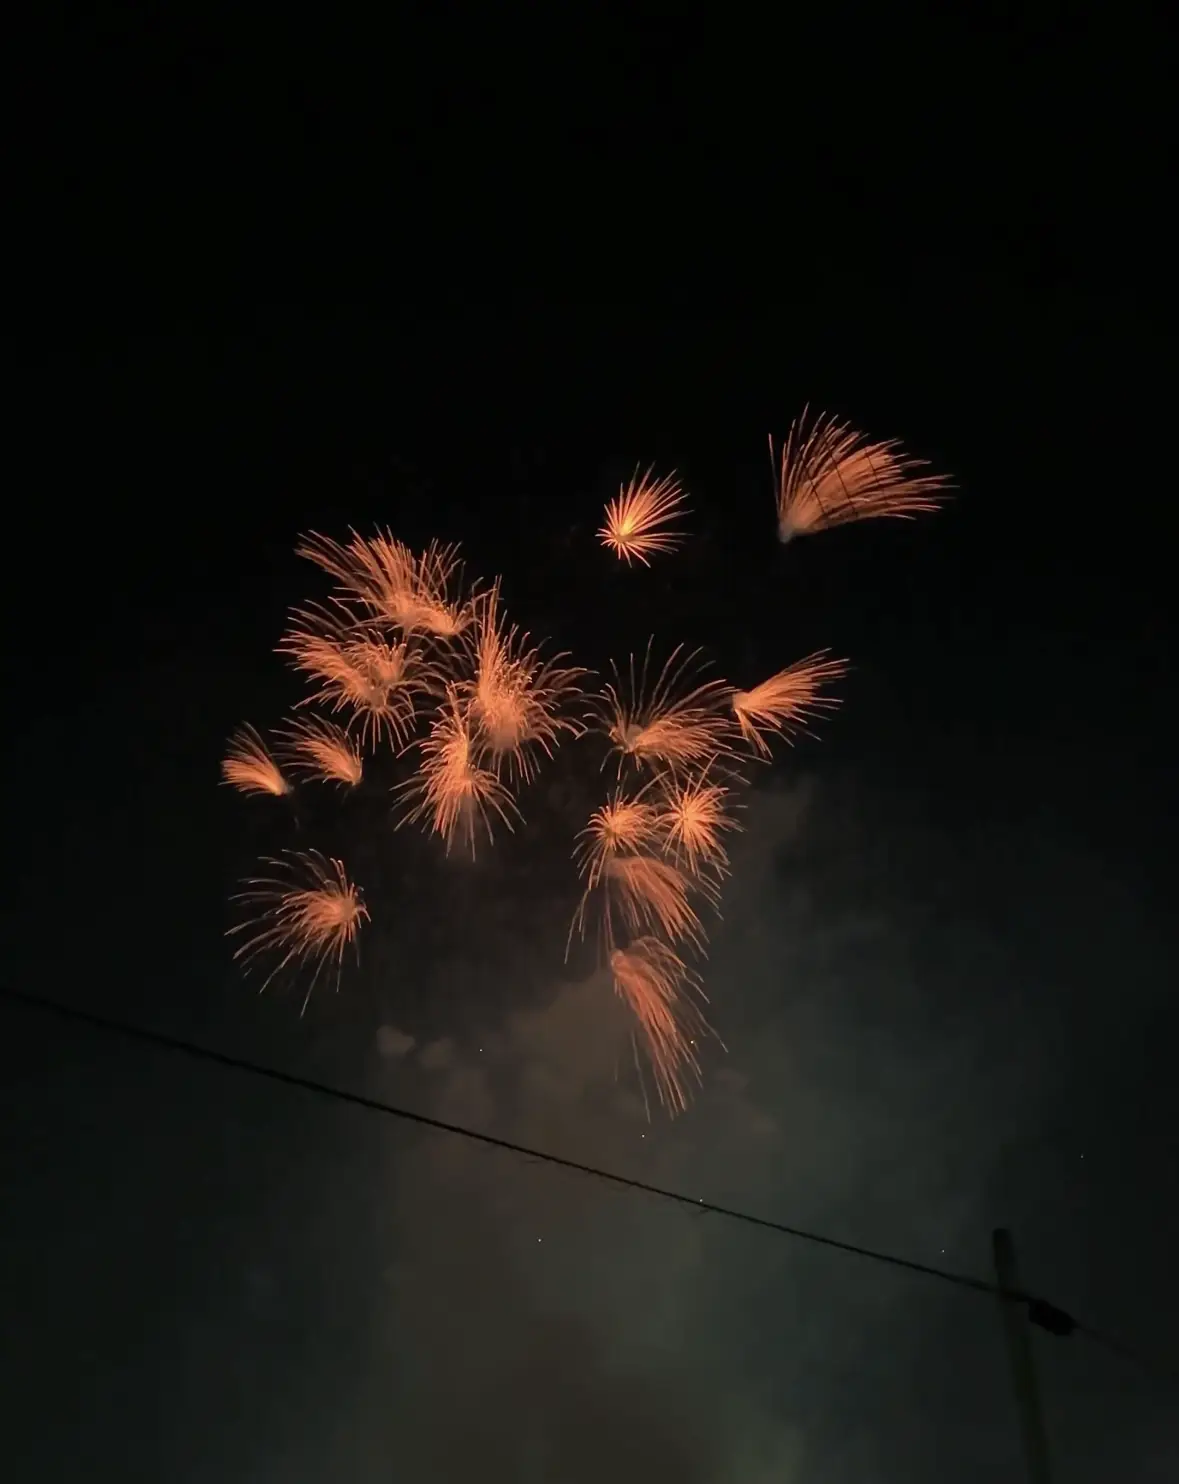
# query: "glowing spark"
650,895
658,986
787,700
417,594
320,749
693,818
451,789
361,672
622,826
249,767
515,697
666,724
637,521
829,474
304,916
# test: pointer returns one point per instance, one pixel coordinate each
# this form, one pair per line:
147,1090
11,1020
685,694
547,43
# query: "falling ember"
669,724
359,671
249,767
637,522
651,895
516,697
785,702
320,749
693,819
451,789
659,989
304,917
828,475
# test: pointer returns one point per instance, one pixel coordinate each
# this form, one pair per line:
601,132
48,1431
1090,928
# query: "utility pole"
1019,1352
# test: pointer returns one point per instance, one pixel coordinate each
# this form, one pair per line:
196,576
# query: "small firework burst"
785,702
648,895
304,917
415,593
660,990
828,475
638,522
693,818
359,671
451,788
249,767
624,825
318,748
516,697
671,724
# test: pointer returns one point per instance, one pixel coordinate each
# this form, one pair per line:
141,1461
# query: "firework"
637,521
249,767
670,724
415,593
451,788
692,818
320,749
515,696
788,700
304,916
359,671
828,474
658,987
622,826
650,895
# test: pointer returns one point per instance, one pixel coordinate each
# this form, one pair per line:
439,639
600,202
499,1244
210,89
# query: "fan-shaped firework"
638,522
828,474
659,989
515,697
304,916
788,700
417,594
360,672
649,895
668,723
318,748
693,818
451,788
249,767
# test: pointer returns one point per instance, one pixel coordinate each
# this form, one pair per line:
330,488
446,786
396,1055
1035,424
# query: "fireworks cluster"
407,659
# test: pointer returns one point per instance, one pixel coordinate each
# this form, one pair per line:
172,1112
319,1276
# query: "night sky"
945,971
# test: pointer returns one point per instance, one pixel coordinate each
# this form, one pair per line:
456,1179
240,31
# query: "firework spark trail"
658,987
249,767
306,915
785,702
451,788
693,817
415,593
318,748
359,671
651,895
515,696
637,521
828,475
670,724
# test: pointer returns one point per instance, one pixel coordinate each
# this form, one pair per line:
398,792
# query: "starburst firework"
785,702
318,748
451,788
659,988
305,916
828,474
249,767
693,818
415,593
670,724
638,520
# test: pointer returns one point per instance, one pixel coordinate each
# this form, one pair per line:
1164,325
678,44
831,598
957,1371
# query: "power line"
1040,1312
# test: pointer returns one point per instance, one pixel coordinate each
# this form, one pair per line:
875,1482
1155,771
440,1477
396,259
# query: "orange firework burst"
658,987
637,521
417,594
828,474
788,700
671,724
622,826
249,767
318,748
358,670
515,696
451,789
693,817
650,895
304,916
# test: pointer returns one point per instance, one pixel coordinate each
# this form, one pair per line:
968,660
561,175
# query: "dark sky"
945,971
